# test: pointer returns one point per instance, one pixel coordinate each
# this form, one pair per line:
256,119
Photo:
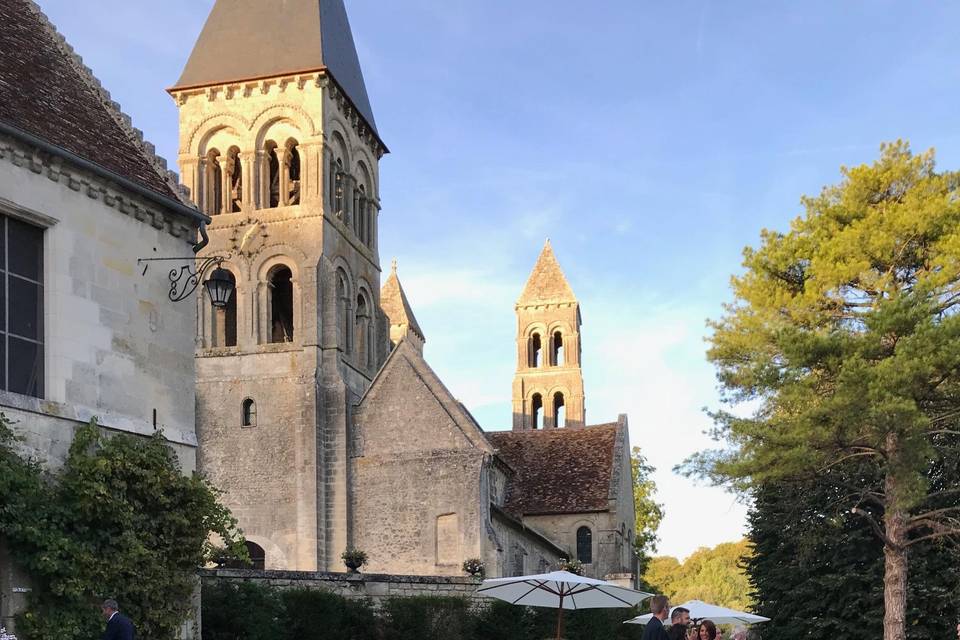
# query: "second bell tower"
548,385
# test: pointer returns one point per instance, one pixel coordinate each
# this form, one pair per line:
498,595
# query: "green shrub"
241,611
427,618
312,614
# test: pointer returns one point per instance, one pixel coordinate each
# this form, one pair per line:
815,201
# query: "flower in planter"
572,566
6,636
354,559
474,567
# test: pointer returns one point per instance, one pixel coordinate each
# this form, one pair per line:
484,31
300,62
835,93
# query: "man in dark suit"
119,626
660,608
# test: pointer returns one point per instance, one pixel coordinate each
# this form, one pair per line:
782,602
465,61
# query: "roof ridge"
112,107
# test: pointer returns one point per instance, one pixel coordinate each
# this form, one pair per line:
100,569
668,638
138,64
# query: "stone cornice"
68,176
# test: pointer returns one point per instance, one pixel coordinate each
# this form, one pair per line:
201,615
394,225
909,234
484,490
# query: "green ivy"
120,520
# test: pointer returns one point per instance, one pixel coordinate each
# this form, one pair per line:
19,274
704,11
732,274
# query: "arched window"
214,183
343,317
536,350
248,416
559,412
556,349
585,545
362,326
272,176
291,161
361,216
337,189
235,181
258,558
225,321
280,284
536,411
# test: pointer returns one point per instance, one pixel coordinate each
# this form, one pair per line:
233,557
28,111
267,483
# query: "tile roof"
278,38
558,470
546,284
46,91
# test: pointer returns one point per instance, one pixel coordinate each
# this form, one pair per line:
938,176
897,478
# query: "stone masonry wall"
375,586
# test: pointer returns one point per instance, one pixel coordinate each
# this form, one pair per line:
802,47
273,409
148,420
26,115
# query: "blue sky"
651,141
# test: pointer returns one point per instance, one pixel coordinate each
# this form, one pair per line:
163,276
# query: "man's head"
659,606
680,616
109,607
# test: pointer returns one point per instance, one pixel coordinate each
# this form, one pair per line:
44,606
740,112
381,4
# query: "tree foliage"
714,575
817,569
648,512
845,335
119,520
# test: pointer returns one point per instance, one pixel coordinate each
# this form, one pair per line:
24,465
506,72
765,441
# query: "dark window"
536,350
273,176
556,351
249,413
559,412
536,411
585,545
281,305
21,307
226,320
258,556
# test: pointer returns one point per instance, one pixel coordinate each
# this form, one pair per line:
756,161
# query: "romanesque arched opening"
536,350
361,331
248,413
536,411
225,320
556,349
213,175
271,175
258,557
280,287
292,165
235,181
559,411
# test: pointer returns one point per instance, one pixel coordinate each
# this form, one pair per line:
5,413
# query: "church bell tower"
548,385
278,144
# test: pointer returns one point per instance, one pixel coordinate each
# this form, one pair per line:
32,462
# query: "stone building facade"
84,332
317,413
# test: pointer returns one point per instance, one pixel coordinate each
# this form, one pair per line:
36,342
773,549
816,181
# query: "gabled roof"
252,39
47,93
559,470
406,359
395,305
546,284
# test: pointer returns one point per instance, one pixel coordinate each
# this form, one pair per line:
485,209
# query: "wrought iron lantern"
184,280
219,287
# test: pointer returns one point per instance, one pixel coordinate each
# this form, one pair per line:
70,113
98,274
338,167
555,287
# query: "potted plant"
354,559
474,567
571,566
6,636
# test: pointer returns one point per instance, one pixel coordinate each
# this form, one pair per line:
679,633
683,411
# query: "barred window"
21,307
585,545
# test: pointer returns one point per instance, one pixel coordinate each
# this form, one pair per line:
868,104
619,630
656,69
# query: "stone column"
282,158
262,170
247,160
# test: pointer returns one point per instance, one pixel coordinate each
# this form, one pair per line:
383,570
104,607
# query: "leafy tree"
647,511
817,569
714,575
845,335
119,520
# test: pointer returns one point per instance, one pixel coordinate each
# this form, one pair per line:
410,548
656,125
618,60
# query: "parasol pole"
560,616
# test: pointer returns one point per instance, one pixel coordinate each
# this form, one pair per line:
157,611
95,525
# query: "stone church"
317,414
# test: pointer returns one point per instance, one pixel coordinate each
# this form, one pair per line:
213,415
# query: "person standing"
119,626
660,608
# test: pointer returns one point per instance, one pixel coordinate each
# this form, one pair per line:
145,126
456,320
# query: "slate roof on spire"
546,284
394,303
249,39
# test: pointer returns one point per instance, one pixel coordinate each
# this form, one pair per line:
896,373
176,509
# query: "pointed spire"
393,301
546,284
254,39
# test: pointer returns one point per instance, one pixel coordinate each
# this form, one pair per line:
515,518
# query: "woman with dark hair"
708,630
